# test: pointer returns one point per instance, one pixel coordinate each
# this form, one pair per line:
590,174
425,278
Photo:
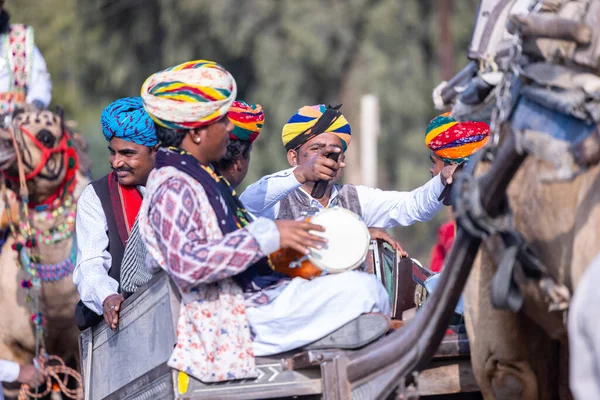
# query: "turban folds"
189,95
455,141
247,120
306,118
126,119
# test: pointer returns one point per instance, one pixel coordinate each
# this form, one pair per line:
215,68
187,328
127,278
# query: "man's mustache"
123,169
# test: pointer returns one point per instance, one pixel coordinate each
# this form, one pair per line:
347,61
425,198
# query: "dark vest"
116,247
84,317
297,203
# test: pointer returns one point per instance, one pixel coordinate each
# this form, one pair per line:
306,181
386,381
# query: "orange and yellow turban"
455,141
189,95
247,120
304,121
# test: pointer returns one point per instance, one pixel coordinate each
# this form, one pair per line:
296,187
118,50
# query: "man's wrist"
442,179
299,175
109,296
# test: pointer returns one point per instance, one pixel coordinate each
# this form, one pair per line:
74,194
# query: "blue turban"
126,119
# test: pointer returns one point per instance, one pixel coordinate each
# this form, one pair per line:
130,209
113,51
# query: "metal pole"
369,132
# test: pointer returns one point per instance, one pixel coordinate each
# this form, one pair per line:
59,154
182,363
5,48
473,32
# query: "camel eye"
46,138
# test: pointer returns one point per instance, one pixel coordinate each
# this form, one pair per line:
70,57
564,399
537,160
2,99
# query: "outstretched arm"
262,197
386,209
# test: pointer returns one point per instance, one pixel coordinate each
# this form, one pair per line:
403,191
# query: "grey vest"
297,204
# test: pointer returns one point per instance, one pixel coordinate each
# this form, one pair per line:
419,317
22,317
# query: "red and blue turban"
247,120
455,141
126,119
304,121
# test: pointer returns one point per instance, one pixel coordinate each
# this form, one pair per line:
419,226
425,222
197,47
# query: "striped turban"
455,141
126,119
247,120
190,95
311,121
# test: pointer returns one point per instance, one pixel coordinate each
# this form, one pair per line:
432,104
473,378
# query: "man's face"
242,169
437,164
215,139
311,148
236,173
131,162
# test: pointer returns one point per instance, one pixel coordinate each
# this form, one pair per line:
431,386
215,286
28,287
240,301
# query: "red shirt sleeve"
445,239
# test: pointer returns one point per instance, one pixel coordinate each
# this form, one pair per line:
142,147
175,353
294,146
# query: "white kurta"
40,86
9,371
93,259
306,311
380,208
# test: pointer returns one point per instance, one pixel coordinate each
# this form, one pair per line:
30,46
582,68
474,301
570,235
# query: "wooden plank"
446,377
143,341
272,382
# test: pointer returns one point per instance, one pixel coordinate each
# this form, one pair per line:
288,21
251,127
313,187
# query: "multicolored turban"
189,95
126,119
247,120
311,121
455,141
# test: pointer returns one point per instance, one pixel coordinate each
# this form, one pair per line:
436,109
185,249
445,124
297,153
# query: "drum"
346,248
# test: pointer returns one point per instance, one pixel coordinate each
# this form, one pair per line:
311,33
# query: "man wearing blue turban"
107,270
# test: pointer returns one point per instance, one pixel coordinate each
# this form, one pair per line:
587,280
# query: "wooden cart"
130,363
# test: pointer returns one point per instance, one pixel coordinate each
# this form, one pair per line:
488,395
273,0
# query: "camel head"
45,151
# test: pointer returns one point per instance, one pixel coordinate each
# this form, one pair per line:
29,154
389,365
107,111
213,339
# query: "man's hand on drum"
111,307
295,235
319,167
382,234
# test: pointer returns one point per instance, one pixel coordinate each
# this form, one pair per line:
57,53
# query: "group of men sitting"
177,154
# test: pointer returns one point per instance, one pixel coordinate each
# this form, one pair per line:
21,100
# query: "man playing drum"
311,137
248,120
233,305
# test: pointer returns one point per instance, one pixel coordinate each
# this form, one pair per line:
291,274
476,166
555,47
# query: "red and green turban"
247,120
455,141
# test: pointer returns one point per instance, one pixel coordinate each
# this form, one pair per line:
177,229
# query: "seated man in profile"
247,120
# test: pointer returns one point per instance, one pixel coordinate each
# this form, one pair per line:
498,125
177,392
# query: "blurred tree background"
283,53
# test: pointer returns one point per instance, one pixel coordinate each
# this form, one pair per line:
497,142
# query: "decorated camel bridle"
59,203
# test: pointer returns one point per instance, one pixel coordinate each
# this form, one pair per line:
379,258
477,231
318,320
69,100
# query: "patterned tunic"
182,234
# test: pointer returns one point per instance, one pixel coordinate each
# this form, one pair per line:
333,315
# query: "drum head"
348,240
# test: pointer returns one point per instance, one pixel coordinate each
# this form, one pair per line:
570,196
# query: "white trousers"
306,311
